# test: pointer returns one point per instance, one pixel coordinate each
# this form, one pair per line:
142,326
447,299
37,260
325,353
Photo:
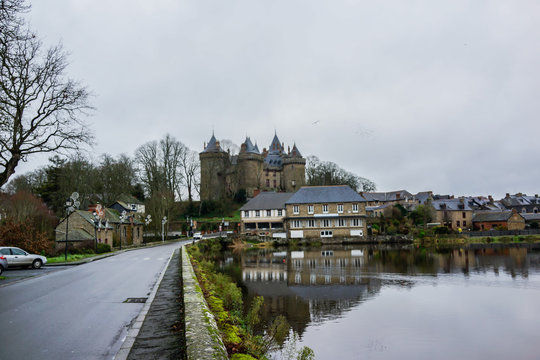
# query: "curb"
132,333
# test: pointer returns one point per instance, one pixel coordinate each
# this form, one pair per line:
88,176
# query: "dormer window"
325,209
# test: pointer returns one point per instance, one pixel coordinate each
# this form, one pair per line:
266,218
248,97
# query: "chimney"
461,200
490,199
256,192
507,195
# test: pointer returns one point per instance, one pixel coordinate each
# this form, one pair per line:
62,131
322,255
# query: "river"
400,302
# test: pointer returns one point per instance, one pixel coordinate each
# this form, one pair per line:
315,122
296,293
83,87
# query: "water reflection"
311,286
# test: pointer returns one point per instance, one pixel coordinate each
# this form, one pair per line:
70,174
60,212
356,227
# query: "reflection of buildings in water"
316,285
511,260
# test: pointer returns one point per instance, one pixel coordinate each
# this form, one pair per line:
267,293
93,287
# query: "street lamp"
71,205
163,221
123,217
96,222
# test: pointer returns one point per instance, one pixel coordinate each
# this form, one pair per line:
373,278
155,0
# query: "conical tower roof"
275,146
213,145
295,152
250,148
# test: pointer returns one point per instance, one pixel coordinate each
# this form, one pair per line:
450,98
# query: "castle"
223,174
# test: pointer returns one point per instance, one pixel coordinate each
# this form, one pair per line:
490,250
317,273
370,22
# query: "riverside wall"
203,340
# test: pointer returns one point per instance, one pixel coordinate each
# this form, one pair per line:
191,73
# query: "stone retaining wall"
203,340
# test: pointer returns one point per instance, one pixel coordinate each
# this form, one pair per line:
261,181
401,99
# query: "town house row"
311,212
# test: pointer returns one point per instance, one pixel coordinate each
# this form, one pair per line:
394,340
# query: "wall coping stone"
203,339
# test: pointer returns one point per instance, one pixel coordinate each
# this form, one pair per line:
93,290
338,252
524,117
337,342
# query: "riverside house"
326,212
265,213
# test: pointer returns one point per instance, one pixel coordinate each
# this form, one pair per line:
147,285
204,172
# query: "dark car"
19,257
3,264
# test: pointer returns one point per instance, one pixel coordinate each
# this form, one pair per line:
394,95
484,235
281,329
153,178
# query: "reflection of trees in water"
313,286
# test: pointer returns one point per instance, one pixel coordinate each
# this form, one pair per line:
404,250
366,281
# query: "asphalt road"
78,312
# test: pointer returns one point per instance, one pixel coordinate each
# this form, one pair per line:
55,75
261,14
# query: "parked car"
3,264
197,236
19,257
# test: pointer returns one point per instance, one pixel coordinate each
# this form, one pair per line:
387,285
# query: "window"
295,209
275,183
310,209
280,212
341,222
246,213
326,233
267,182
257,213
340,208
457,223
268,213
311,223
464,223
325,223
355,208
325,209
463,214
356,222
296,224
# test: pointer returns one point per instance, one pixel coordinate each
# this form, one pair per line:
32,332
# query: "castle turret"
294,171
214,166
249,167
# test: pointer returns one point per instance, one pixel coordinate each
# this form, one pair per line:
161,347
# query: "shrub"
103,248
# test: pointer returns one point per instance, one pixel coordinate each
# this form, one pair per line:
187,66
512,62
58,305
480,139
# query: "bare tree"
329,173
39,107
229,146
191,169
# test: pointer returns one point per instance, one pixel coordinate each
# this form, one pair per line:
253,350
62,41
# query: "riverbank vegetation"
243,333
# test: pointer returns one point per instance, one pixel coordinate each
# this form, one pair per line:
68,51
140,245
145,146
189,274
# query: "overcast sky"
415,95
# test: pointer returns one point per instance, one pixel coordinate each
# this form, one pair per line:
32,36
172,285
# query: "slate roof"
531,216
423,196
487,216
212,145
325,194
387,196
295,152
250,148
267,200
451,205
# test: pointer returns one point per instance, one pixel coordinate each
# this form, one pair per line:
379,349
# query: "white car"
19,257
197,236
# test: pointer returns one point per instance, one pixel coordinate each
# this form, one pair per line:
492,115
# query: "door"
20,257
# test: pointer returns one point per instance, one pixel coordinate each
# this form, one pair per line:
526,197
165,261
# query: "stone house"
493,220
108,230
265,213
453,213
326,212
128,204
522,203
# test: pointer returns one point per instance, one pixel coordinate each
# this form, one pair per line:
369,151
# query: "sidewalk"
162,333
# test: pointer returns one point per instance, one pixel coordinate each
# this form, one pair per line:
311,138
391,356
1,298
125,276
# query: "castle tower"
215,164
294,171
249,168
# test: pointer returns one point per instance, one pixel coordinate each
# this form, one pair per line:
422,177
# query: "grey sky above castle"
416,95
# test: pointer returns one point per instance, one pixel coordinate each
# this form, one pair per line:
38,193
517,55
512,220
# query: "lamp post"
123,217
163,221
96,222
71,205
